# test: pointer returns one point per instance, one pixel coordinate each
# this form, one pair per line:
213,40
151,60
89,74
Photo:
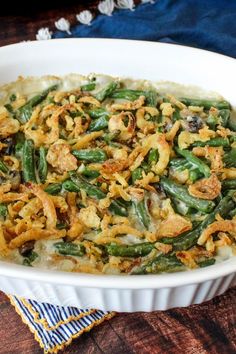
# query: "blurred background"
21,20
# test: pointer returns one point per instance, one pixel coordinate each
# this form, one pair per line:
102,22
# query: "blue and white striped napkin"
55,327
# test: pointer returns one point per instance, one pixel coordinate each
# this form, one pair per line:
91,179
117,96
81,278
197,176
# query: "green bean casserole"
115,176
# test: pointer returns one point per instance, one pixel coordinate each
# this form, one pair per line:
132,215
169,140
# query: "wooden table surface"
199,329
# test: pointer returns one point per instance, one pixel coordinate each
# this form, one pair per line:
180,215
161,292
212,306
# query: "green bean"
224,115
228,184
99,124
24,113
180,192
54,188
180,206
136,174
88,87
232,139
197,163
194,175
142,212
3,167
3,210
145,166
118,208
181,164
70,249
127,94
207,104
42,166
212,121
106,91
232,213
109,137
160,264
151,98
28,162
137,250
230,158
153,156
31,257
189,238
9,107
206,263
12,98
91,155
213,142
232,121
61,225
89,173
131,95
176,115
97,113
19,143
77,183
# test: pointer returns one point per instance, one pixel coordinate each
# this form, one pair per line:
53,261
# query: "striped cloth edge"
54,327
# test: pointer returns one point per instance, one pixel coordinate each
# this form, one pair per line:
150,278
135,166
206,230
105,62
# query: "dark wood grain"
22,23
198,329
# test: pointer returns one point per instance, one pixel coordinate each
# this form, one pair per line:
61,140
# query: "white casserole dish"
138,60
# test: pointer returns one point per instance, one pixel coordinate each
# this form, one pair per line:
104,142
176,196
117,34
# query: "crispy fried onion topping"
206,188
143,124
214,154
35,234
48,205
217,226
191,257
125,123
173,226
158,141
8,125
129,106
59,156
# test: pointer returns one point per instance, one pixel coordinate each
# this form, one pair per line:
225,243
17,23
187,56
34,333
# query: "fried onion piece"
173,226
7,197
217,226
48,205
214,154
143,124
187,259
206,188
60,203
35,234
129,106
84,140
228,173
39,136
59,156
118,122
89,217
31,208
158,141
8,125
170,135
90,100
112,232
76,227
111,166
3,245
